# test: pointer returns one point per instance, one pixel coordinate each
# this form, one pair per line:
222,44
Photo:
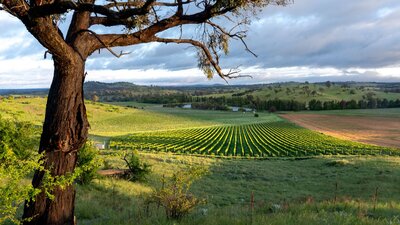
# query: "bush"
18,159
339,162
107,165
174,195
137,170
20,137
88,163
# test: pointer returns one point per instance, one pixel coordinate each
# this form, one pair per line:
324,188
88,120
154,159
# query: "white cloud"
14,43
7,18
386,11
25,72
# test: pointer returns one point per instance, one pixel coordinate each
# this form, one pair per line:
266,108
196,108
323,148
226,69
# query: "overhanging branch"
207,53
60,7
238,36
104,45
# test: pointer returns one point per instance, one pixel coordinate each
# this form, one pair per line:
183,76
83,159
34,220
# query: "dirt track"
372,130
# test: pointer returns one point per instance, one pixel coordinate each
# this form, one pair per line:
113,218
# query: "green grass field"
285,192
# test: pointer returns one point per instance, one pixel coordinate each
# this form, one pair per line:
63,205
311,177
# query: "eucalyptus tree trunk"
65,130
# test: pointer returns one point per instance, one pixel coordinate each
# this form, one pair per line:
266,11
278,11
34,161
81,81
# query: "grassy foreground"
326,190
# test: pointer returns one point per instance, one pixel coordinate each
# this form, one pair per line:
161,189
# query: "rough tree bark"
65,130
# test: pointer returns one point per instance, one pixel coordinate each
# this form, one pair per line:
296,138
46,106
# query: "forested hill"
32,91
124,91
283,96
117,86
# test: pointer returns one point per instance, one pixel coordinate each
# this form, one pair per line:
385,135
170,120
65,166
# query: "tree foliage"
88,163
17,162
137,170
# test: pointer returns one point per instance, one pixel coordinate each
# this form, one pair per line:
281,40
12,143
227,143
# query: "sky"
309,40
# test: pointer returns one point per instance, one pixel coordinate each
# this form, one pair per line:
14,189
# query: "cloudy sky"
310,40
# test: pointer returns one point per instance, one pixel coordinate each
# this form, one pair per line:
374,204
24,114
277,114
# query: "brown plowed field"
381,131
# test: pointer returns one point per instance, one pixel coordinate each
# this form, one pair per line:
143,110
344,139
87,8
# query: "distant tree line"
155,98
222,103
221,97
372,103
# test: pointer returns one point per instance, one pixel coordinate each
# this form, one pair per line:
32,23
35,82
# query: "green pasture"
322,92
322,190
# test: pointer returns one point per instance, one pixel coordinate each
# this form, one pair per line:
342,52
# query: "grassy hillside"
113,120
305,92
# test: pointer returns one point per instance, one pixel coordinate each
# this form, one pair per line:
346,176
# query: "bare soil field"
375,130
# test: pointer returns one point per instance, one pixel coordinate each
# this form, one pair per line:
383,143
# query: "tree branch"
80,21
205,50
17,8
104,45
60,7
238,36
137,4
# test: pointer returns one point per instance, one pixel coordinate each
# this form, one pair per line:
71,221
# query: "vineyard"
270,139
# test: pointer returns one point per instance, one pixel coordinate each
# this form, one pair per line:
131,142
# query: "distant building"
235,109
187,106
100,146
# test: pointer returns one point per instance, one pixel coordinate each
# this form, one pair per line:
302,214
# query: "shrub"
339,162
107,165
137,170
174,195
20,137
88,163
17,161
